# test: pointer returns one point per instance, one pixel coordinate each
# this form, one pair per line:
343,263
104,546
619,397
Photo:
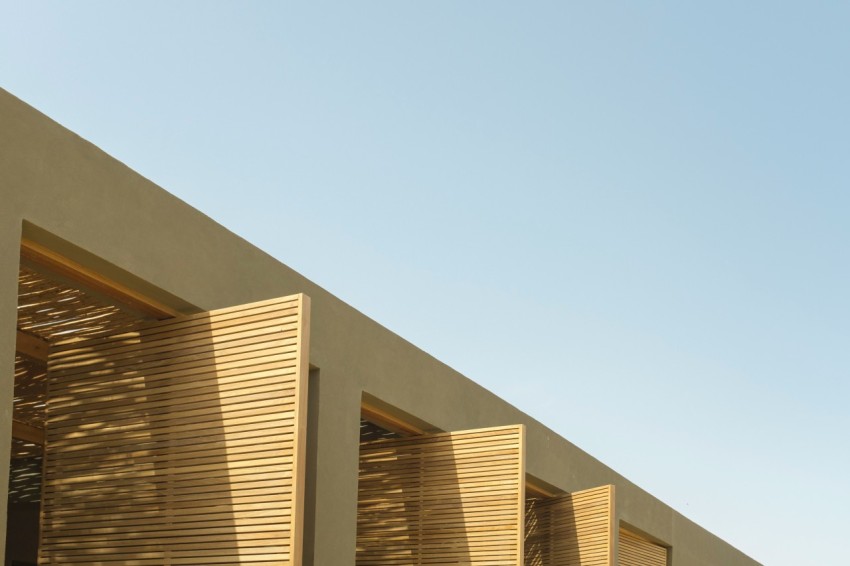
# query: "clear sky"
628,219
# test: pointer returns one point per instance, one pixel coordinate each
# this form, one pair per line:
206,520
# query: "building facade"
181,397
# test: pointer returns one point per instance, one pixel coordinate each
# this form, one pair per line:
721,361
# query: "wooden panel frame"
69,268
636,550
197,422
455,497
573,529
31,346
388,421
28,433
302,365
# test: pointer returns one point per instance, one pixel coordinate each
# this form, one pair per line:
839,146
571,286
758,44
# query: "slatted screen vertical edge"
448,498
636,551
180,442
574,529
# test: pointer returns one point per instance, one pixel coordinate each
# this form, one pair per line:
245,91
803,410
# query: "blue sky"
628,219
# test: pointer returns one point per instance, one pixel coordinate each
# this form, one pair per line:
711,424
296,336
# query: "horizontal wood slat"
637,551
28,433
32,346
180,442
448,498
574,529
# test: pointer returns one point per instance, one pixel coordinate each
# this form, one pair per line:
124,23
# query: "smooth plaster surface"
65,193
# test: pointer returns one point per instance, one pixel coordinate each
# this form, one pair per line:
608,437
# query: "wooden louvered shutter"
636,551
449,498
181,442
574,529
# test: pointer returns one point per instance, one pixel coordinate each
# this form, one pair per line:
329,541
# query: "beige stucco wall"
55,184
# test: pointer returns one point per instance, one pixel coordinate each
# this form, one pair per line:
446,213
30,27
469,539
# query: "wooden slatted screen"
449,498
180,442
636,551
574,529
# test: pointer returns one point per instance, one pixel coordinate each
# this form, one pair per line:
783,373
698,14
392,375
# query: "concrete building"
181,397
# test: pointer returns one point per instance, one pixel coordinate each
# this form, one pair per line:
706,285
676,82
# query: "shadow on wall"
174,443
573,529
409,496
136,451
449,498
